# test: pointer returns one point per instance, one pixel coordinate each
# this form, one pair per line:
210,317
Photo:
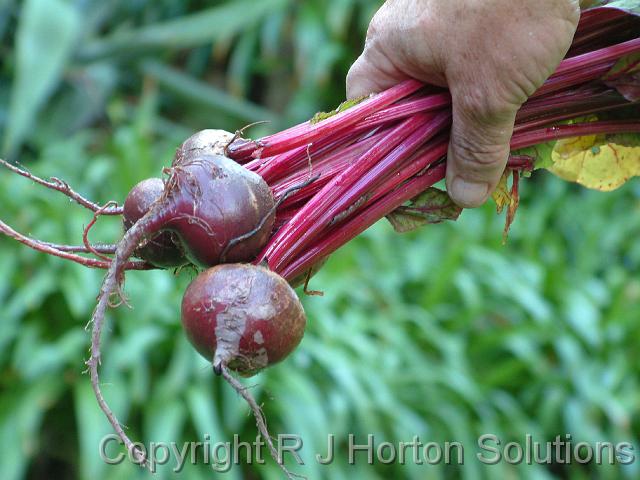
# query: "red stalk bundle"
366,161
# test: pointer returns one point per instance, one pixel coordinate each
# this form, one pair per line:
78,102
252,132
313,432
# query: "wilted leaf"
628,86
601,163
508,198
431,206
502,194
573,146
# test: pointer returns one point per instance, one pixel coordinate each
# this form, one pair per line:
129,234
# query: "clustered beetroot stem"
375,156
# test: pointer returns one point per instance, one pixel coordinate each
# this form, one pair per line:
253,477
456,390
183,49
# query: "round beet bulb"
164,249
221,212
243,317
205,142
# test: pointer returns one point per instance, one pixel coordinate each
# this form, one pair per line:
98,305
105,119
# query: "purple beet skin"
213,201
242,316
164,249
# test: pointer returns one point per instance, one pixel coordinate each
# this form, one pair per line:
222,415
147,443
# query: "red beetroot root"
218,209
164,249
221,211
242,316
204,142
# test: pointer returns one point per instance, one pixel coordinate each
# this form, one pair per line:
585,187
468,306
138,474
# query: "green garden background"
444,333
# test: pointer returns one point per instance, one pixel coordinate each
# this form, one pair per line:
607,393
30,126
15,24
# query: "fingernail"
468,194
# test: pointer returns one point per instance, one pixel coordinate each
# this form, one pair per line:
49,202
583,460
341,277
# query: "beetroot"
164,249
217,210
221,211
245,318
204,142
242,316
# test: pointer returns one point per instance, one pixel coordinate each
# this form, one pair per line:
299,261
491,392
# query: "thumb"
479,148
371,73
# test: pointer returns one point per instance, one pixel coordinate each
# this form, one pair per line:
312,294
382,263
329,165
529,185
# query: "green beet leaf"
431,206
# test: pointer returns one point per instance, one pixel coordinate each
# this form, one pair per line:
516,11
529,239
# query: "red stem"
389,195
358,224
310,132
598,57
549,134
316,208
430,103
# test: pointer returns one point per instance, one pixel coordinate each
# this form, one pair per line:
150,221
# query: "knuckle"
360,68
477,156
519,86
482,104
381,20
353,71
573,10
353,79
372,30
482,129
375,28
353,88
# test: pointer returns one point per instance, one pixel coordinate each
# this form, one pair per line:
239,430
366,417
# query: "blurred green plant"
442,333
236,62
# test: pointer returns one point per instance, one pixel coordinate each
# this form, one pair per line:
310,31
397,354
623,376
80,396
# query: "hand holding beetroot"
492,55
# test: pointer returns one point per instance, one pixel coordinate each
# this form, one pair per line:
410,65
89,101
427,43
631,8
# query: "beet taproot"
220,212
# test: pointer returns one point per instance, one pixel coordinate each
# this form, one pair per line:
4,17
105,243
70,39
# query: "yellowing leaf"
595,162
502,194
571,146
508,198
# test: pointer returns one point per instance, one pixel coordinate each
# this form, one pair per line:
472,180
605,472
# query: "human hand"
491,54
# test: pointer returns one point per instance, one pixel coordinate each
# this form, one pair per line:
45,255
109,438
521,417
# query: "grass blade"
204,94
45,40
213,24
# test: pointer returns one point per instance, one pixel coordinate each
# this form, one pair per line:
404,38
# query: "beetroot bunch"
212,212
258,217
216,215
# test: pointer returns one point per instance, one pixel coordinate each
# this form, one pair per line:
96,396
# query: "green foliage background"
444,333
